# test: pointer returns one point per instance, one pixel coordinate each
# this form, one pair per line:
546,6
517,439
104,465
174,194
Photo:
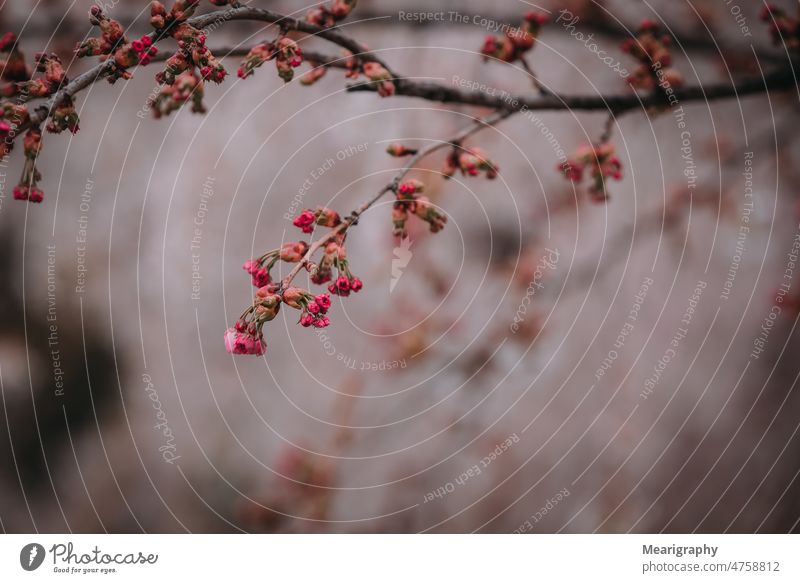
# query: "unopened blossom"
427,211
313,308
188,87
284,51
27,188
399,150
13,66
410,187
293,252
322,216
782,28
327,16
305,221
314,74
237,342
651,48
471,162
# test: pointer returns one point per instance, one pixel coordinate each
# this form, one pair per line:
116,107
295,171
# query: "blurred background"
544,364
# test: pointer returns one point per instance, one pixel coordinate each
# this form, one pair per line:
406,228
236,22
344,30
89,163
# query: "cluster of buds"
313,309
27,188
408,202
515,41
285,51
53,76
260,268
188,86
112,35
782,27
399,150
144,49
192,50
322,272
328,16
471,162
12,116
323,216
651,49
314,74
600,162
192,53
346,282
353,70
380,77
247,337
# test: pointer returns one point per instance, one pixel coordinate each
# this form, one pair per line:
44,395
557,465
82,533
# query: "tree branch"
353,217
780,80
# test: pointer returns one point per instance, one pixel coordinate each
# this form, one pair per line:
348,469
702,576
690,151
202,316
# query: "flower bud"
293,252
399,150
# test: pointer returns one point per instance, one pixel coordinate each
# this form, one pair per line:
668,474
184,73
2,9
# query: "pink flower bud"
323,322
323,301
342,283
399,150
261,278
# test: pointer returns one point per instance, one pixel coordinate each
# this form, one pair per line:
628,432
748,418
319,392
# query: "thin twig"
353,217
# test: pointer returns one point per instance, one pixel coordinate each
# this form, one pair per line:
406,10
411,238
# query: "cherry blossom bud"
20,192
410,187
399,150
261,277
399,218
327,217
305,221
237,342
382,79
295,297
